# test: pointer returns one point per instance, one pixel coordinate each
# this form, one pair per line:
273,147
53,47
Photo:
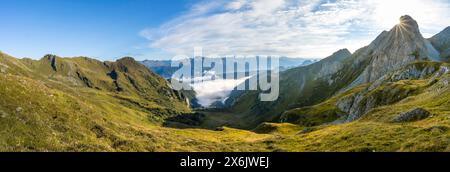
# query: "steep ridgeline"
310,85
442,43
125,77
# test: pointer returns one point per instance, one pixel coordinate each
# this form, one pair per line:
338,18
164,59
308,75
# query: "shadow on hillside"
214,119
187,121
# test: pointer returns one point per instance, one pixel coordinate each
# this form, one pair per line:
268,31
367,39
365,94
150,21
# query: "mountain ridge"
391,50
442,43
124,77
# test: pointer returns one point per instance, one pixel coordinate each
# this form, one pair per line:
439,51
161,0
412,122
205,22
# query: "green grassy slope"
375,131
48,119
43,109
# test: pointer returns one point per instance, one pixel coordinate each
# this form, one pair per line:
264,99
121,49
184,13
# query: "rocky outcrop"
388,90
441,85
414,71
87,82
413,115
357,105
113,74
52,60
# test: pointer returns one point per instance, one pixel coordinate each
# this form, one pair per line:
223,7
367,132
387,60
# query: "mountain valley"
392,95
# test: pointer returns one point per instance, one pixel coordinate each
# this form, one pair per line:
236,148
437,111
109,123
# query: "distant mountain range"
164,68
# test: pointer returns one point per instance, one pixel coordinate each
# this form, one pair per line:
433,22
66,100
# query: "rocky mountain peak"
343,52
391,50
408,23
127,60
338,56
126,64
332,64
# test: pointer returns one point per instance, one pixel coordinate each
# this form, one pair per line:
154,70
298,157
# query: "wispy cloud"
296,28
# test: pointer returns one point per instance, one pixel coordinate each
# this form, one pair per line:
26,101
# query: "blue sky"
160,29
104,29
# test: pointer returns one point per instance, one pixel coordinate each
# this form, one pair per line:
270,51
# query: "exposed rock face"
442,43
391,50
386,91
361,103
411,116
414,71
333,64
52,60
84,79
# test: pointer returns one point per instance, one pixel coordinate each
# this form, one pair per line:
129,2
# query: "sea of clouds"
209,92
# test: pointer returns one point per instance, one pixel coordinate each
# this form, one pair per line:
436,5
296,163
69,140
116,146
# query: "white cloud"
209,92
296,28
236,5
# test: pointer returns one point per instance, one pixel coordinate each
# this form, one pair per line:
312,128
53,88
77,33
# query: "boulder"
411,116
